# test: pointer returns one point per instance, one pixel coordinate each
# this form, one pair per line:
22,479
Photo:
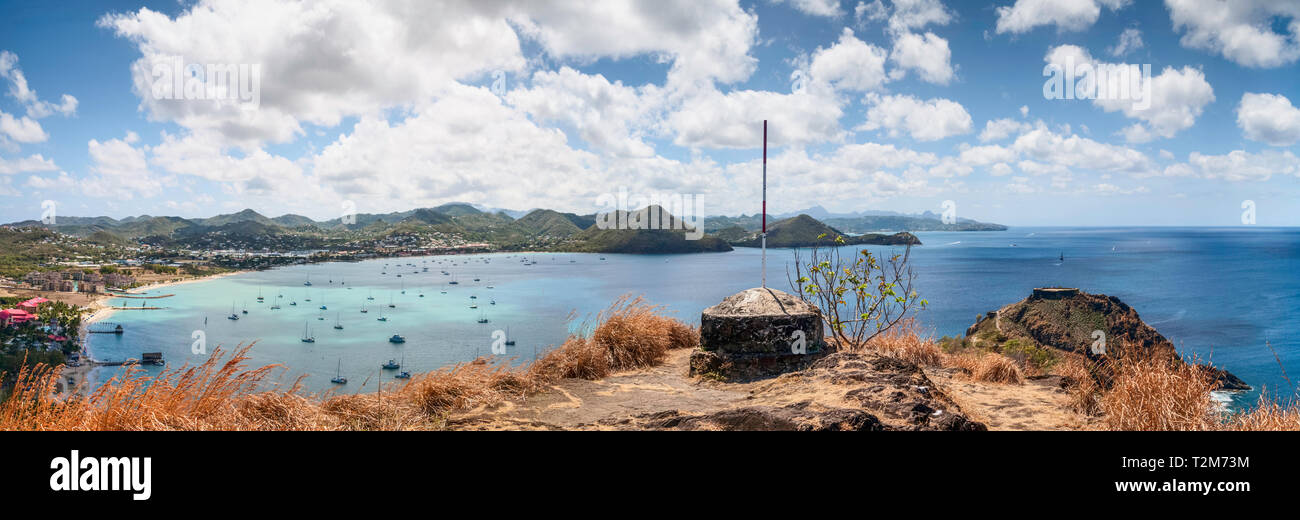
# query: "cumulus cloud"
1071,15
22,130
1177,96
999,129
120,169
31,163
926,54
927,120
1241,30
1130,40
1238,165
827,8
608,116
850,64
1269,118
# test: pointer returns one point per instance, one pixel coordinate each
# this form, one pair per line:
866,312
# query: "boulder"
756,333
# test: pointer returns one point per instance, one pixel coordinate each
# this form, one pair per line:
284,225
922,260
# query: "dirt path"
1037,405
898,394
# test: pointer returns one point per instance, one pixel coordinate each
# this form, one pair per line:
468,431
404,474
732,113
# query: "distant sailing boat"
338,375
509,342
1062,256
403,374
232,316
245,311
308,282
306,335
338,325
390,301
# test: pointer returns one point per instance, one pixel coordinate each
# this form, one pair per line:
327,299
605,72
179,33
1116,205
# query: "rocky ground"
843,391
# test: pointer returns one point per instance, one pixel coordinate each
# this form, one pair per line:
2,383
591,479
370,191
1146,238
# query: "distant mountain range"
461,223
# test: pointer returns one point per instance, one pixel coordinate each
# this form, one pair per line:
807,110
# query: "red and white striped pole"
764,204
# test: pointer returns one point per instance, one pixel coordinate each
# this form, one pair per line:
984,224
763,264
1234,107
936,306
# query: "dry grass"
903,341
988,367
1137,392
1159,394
223,394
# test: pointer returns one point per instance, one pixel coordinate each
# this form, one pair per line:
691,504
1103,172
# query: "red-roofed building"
32,304
15,317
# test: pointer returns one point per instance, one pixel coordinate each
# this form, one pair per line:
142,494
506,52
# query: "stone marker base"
749,366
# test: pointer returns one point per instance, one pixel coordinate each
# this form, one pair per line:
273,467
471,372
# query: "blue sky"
889,105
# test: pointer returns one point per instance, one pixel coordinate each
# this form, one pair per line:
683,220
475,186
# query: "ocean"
1226,294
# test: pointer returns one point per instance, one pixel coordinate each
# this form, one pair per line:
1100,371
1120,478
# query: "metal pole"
764,241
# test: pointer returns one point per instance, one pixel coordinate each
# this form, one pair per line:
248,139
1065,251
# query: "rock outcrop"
756,333
1066,319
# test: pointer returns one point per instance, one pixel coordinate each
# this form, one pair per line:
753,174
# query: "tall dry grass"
988,367
1135,391
904,341
223,393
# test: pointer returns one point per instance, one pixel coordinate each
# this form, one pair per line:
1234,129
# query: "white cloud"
999,129
850,64
324,61
1269,118
608,116
121,170
1130,40
1111,189
18,88
928,120
875,11
1067,15
1177,97
1239,165
1240,30
22,130
712,119
915,14
1050,148
31,163
927,54
62,181
827,8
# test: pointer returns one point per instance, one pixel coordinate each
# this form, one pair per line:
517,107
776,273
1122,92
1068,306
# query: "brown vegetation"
222,393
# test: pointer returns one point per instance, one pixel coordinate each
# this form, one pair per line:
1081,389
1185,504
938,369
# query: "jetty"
105,328
140,297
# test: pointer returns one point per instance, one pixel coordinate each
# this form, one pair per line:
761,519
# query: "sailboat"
245,311
363,309
338,375
403,288
1062,256
306,335
509,342
482,319
259,295
390,301
338,325
392,364
397,338
403,374
232,316
308,282
371,296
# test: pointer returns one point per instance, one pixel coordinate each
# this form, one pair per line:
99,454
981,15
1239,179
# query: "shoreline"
100,311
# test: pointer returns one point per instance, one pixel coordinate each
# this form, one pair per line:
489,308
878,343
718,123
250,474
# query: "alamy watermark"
222,83
1099,81
669,211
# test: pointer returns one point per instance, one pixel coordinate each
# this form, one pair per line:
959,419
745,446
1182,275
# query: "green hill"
805,231
545,222
665,240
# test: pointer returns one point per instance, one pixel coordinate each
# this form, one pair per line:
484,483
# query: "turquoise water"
1219,292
